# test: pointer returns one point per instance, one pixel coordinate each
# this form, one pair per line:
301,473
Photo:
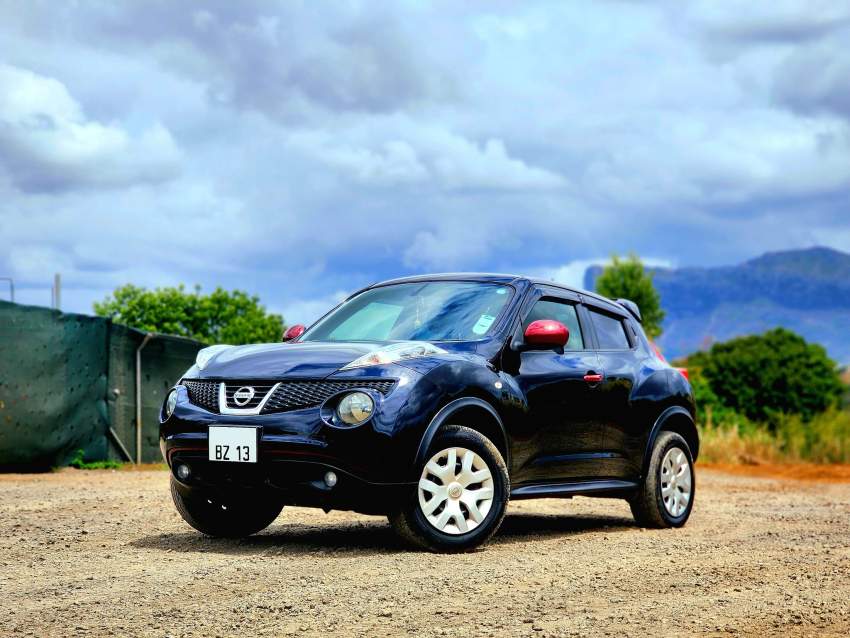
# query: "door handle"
592,377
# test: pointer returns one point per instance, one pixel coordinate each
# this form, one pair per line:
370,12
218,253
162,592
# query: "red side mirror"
293,332
546,333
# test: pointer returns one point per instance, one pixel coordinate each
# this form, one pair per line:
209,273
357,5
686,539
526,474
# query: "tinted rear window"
609,332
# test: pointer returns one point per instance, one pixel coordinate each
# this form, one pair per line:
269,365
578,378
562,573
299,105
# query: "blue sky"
300,150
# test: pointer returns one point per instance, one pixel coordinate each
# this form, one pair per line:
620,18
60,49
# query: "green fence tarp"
66,378
164,359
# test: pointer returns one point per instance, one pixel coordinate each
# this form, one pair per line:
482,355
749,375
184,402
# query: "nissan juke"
434,400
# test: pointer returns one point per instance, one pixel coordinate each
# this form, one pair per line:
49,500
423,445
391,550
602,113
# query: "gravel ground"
105,553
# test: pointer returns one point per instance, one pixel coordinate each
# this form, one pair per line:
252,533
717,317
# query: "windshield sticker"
483,324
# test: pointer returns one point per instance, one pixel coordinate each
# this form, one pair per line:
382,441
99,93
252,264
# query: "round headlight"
355,408
170,404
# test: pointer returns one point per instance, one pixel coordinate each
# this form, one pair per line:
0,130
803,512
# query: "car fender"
443,418
672,412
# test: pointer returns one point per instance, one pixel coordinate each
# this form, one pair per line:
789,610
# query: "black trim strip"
543,490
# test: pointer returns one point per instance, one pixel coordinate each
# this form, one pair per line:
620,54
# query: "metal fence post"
147,338
57,291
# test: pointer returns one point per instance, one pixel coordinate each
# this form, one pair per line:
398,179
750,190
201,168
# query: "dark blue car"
434,400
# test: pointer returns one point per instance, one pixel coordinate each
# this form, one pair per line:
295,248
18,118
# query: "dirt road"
104,553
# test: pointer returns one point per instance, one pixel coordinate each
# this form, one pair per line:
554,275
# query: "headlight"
355,408
396,352
205,355
170,404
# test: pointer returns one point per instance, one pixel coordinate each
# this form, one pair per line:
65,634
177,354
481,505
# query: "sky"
302,150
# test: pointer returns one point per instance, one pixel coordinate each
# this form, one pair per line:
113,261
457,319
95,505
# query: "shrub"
222,316
764,376
81,464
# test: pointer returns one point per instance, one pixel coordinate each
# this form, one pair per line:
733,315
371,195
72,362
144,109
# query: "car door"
618,360
564,432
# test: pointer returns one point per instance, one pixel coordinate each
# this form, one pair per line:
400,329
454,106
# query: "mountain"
807,291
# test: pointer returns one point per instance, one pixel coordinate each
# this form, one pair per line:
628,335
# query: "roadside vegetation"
824,439
769,398
233,317
79,463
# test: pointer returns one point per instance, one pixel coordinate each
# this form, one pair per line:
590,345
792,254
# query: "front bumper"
373,462
291,482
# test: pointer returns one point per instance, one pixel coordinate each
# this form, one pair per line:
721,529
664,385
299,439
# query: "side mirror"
546,334
293,332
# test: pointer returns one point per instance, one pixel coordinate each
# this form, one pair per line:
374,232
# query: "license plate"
234,444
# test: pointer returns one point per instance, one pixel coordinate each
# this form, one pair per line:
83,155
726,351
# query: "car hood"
278,360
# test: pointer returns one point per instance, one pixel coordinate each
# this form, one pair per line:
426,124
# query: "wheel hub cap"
455,490
676,481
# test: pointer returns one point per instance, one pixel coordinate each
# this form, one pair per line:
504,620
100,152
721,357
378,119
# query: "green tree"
222,316
778,372
628,279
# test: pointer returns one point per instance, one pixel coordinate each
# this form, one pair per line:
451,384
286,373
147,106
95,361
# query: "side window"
609,331
559,311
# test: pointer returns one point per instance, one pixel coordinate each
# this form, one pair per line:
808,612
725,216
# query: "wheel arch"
673,419
472,412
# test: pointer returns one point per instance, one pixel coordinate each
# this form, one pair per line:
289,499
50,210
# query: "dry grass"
825,439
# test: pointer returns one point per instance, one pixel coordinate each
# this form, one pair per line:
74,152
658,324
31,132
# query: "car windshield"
422,311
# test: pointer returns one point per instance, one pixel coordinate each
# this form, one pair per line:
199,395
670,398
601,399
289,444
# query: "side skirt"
603,488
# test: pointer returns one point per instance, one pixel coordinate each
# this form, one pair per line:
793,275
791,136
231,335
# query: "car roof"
503,279
455,276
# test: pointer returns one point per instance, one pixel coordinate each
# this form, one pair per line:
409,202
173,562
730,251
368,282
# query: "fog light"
330,479
183,472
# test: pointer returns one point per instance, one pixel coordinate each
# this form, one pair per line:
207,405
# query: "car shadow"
369,537
522,526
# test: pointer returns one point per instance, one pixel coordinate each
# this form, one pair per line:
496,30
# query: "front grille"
294,395
289,395
203,394
261,389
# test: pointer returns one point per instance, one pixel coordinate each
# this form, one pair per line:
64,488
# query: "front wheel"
461,497
228,517
666,497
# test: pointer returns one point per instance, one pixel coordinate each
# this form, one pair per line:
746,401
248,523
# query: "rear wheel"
461,497
667,494
224,516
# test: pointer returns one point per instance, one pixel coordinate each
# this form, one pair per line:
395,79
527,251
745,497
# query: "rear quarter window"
610,331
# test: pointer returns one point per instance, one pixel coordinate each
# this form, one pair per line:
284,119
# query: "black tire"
648,506
411,523
225,517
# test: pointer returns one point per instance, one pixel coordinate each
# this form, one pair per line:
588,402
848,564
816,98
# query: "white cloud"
46,143
393,162
466,165
321,150
452,248
572,273
426,155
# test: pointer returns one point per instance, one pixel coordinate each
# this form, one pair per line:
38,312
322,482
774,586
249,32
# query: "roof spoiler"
632,307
